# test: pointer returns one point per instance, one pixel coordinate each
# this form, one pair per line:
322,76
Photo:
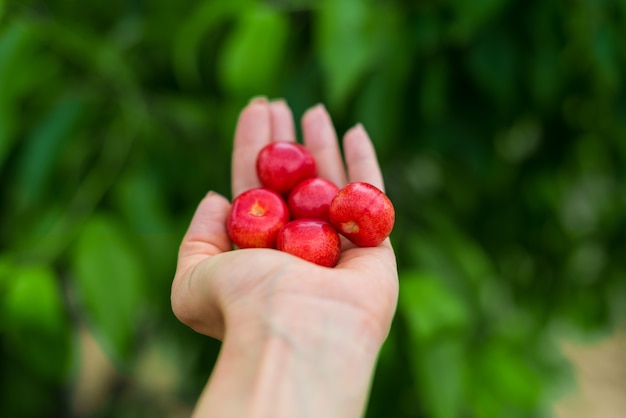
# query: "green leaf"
386,83
344,46
20,385
438,321
605,57
441,377
431,307
138,196
452,253
253,54
193,30
501,381
43,147
544,78
13,41
495,53
109,281
36,324
434,90
6,268
470,16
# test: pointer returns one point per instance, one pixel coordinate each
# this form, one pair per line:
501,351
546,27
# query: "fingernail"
258,100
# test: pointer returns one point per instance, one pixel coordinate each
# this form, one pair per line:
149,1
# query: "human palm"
217,289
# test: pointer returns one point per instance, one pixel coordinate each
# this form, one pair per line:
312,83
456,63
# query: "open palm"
217,289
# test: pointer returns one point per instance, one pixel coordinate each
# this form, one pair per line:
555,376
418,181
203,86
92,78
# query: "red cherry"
311,199
363,214
282,165
313,240
255,218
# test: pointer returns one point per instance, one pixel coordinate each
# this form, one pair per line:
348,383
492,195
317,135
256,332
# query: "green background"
500,126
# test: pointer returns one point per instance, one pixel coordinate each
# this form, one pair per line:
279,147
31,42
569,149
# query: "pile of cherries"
302,214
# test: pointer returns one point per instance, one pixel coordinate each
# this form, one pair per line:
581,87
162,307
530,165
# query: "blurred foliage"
500,127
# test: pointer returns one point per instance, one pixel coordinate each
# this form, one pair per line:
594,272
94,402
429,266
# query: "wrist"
311,368
304,357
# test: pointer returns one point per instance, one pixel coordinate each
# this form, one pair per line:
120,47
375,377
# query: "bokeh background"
500,126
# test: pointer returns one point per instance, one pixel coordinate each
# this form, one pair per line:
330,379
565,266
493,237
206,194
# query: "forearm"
318,364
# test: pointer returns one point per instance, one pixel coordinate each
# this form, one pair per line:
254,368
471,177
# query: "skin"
299,340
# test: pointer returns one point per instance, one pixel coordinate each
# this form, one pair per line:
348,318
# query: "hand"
258,294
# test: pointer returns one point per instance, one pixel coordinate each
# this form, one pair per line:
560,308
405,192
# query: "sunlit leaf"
344,46
440,372
252,56
456,252
438,321
109,278
430,307
507,382
37,326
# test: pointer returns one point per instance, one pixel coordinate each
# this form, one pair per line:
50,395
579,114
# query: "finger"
320,138
361,157
252,134
195,302
192,300
282,126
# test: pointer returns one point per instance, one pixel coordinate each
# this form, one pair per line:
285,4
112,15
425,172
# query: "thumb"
205,237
